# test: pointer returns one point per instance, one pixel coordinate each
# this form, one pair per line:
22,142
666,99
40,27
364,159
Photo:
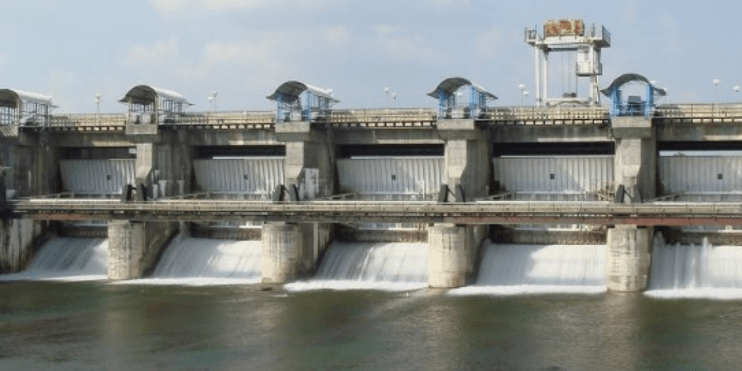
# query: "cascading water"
508,269
70,259
370,265
695,270
202,261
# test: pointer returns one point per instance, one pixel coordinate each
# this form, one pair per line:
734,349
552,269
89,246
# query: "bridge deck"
497,212
412,117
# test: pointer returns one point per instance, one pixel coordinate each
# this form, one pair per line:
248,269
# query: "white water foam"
67,259
205,262
517,269
370,266
695,271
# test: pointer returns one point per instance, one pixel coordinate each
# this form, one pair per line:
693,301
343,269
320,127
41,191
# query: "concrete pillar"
449,255
125,250
310,167
281,245
635,164
627,263
133,247
467,158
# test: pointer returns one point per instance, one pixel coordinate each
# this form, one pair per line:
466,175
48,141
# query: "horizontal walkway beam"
495,212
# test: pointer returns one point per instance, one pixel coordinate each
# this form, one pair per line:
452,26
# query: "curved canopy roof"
451,84
291,90
631,77
145,94
11,97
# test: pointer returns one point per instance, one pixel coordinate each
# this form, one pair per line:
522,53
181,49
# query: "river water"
101,326
365,311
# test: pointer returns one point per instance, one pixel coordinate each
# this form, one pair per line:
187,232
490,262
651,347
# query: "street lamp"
522,94
97,103
213,95
716,83
391,94
736,92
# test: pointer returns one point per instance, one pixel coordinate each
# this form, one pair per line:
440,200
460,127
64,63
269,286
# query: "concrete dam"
568,193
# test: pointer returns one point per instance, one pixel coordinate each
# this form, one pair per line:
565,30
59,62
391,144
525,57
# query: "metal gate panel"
391,175
706,177
97,177
555,174
255,176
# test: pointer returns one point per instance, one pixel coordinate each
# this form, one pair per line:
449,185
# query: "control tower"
574,41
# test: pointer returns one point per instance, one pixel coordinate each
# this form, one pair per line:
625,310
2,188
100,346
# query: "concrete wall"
18,240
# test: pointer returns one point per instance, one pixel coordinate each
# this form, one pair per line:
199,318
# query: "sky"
244,49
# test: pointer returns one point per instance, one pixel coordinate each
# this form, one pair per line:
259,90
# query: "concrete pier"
629,255
451,254
636,157
134,247
448,256
280,254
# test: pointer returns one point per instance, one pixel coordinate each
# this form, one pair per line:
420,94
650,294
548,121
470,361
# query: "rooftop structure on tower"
582,48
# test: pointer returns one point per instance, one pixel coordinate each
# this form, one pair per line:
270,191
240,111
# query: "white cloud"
488,43
630,11
59,81
166,7
391,41
384,29
155,54
337,35
449,2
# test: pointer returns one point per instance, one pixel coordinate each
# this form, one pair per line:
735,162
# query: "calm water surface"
99,326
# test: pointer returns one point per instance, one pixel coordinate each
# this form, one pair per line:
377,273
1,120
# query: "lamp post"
716,83
393,95
522,94
736,93
213,98
97,103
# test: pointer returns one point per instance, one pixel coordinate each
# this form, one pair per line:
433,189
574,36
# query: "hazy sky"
244,49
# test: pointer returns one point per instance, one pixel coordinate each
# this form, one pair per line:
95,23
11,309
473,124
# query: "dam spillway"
306,178
67,259
537,269
696,270
370,265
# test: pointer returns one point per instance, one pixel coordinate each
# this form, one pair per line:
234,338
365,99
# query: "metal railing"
706,110
225,118
407,115
82,120
382,115
196,118
556,113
